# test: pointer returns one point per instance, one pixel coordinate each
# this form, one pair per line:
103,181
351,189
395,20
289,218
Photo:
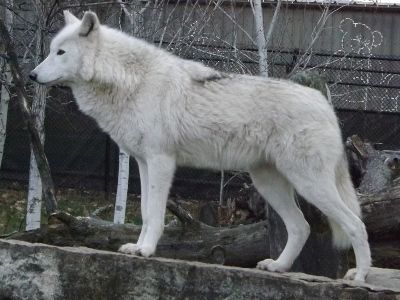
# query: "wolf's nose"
33,76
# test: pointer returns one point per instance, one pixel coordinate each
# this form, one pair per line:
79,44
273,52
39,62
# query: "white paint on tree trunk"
122,188
34,207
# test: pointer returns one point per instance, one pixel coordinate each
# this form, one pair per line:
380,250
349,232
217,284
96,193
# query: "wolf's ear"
90,23
69,18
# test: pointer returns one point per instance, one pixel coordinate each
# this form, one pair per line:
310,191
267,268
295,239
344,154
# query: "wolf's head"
72,52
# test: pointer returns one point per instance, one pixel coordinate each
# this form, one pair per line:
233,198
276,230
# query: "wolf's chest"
125,131
120,123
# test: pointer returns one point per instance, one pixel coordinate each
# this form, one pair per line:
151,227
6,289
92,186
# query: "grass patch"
13,206
12,210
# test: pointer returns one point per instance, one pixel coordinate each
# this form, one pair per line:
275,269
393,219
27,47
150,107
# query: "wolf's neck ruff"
117,65
113,81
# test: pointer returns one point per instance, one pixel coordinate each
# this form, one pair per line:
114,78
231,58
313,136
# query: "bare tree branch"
273,22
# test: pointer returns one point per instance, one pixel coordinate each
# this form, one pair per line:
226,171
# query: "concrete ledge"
38,271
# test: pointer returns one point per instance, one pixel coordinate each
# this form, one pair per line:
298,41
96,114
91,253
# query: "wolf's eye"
60,52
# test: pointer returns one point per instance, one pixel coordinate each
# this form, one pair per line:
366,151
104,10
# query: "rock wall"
38,271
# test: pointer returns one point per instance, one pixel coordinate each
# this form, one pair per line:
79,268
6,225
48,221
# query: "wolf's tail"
349,197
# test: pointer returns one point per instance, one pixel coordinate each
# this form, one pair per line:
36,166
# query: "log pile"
242,245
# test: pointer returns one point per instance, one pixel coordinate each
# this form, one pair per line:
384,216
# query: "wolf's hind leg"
321,191
279,193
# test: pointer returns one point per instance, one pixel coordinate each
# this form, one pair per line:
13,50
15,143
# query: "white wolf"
166,111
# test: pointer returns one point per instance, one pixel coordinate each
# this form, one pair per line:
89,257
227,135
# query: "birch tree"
122,188
262,40
260,37
34,203
6,81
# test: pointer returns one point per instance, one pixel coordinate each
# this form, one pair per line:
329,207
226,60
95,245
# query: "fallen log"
381,214
240,245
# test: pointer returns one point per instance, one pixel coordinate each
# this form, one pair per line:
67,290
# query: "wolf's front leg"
132,248
144,187
160,170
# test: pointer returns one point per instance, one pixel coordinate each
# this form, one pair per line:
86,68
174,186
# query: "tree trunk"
262,40
4,94
260,37
122,188
34,203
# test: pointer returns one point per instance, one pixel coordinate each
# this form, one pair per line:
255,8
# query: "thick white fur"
166,111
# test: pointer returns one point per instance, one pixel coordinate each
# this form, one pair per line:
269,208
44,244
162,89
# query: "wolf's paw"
129,248
353,274
146,251
271,265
